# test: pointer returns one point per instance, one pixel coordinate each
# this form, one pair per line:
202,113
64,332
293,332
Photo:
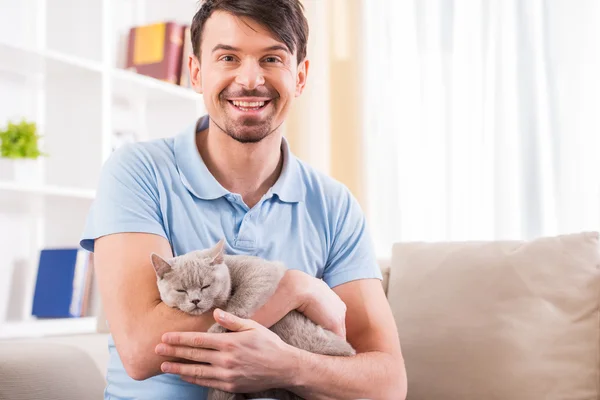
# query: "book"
155,50
187,50
86,292
62,284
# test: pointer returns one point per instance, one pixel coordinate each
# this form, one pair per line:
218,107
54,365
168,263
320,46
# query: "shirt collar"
199,181
290,186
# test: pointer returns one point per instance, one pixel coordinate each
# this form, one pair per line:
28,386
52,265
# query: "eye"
204,287
271,60
227,58
181,291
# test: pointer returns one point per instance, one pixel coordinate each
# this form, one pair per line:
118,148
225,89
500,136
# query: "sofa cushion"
47,371
499,320
384,266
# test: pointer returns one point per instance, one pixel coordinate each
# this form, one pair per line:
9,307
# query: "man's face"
248,78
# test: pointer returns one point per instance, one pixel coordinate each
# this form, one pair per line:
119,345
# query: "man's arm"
138,318
376,372
131,301
252,358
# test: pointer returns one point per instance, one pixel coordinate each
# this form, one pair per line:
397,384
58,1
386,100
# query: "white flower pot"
28,171
6,169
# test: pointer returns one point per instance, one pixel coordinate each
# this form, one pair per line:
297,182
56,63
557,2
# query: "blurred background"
447,119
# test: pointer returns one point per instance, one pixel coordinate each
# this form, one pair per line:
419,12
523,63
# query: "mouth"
195,311
249,107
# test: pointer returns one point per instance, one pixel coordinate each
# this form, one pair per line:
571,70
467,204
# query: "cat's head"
194,282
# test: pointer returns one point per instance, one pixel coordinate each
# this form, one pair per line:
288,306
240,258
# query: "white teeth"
246,104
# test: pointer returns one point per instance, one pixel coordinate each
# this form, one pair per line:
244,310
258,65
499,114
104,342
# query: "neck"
248,169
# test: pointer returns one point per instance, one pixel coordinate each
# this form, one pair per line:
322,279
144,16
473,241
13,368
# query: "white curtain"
481,119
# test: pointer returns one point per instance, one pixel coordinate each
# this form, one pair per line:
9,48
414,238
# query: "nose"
195,301
250,75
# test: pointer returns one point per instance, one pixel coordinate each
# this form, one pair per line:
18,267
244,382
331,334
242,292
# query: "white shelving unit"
61,65
47,190
43,328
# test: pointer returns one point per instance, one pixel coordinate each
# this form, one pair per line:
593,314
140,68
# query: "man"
232,176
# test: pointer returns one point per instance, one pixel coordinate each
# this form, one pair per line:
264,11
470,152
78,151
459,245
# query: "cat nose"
196,301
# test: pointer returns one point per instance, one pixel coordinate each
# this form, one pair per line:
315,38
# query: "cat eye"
204,287
181,291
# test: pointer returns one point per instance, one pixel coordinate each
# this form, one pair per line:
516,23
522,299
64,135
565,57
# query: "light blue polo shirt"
306,220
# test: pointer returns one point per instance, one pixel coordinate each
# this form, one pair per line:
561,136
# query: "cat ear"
217,253
160,265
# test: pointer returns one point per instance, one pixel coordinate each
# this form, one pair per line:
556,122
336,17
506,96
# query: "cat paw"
216,328
215,394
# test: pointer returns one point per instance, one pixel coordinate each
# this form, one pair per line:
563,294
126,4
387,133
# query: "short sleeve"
126,198
352,255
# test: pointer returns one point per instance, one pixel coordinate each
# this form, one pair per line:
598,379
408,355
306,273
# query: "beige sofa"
477,320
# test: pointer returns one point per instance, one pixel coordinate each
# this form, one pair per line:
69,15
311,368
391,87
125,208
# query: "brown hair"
284,18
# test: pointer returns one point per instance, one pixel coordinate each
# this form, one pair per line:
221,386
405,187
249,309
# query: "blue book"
58,285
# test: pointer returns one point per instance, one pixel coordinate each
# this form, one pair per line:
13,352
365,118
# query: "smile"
249,106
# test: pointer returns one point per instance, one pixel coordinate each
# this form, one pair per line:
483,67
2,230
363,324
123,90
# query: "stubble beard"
248,131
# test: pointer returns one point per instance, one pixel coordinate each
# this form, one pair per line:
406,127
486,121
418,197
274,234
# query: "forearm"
146,333
286,298
369,375
137,343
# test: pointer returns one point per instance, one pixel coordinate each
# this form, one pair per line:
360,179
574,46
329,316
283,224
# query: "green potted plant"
19,142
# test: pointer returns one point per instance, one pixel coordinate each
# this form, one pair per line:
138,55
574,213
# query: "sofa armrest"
385,265
44,371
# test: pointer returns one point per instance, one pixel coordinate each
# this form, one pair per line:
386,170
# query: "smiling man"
232,175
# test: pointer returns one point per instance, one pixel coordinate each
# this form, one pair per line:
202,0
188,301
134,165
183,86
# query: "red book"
156,50
187,50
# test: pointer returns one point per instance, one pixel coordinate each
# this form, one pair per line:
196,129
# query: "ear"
217,253
195,75
160,265
302,76
221,273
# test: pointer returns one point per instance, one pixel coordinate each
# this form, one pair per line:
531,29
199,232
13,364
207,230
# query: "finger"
233,323
201,371
188,353
340,331
342,328
212,383
205,340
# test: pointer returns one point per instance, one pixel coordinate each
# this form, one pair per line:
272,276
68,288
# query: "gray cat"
200,281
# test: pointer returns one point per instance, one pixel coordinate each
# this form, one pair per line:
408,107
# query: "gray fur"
239,285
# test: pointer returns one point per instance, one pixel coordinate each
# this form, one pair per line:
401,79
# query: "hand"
320,304
249,359
311,296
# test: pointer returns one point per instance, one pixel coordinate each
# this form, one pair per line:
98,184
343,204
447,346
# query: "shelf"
26,61
48,190
17,60
62,66
71,60
128,84
48,327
